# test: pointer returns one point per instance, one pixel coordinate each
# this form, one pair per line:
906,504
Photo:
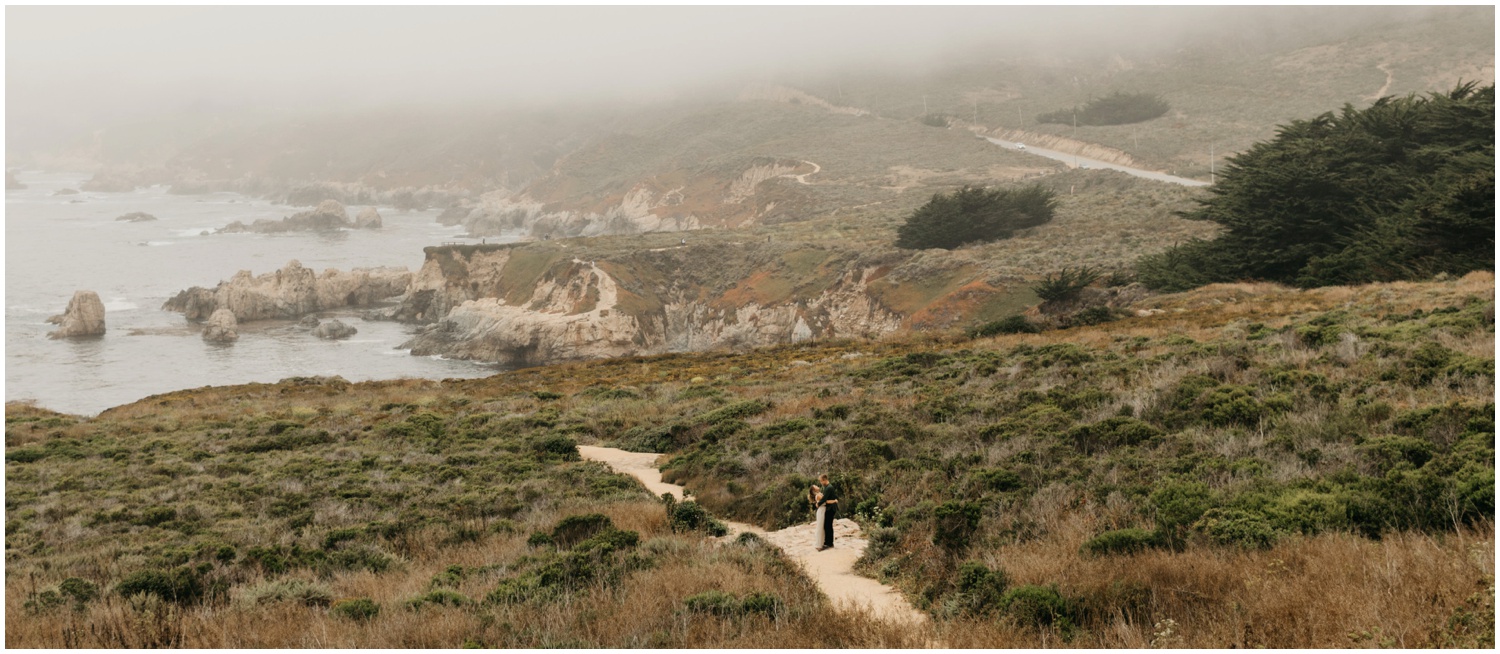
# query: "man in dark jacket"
831,510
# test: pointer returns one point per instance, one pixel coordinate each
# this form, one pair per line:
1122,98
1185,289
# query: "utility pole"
1211,178
976,111
924,104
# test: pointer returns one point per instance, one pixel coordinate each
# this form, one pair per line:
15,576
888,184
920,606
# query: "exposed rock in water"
221,327
137,217
66,191
11,183
83,317
369,218
329,215
334,330
291,292
308,322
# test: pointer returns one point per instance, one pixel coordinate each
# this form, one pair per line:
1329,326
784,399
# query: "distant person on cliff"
814,496
830,502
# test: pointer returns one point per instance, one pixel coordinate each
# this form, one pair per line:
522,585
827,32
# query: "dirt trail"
832,570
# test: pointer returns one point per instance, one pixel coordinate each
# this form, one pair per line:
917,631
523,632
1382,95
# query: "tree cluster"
1114,109
1404,189
971,215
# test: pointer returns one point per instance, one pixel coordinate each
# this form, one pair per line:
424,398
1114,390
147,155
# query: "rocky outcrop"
11,183
368,218
126,179
309,322
221,327
334,330
291,292
329,215
576,309
639,211
83,317
66,191
136,217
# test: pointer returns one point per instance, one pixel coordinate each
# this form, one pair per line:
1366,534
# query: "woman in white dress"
815,497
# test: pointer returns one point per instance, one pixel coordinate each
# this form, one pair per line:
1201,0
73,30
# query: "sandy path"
832,570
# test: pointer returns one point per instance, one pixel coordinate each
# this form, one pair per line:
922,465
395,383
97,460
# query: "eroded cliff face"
291,292
520,306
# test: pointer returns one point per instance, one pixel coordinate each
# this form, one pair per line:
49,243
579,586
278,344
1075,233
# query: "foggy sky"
71,66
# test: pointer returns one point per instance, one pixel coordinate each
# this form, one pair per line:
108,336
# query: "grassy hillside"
1252,466
1226,92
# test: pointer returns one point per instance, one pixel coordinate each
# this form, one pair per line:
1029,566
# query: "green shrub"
556,445
1016,324
1096,315
980,591
1111,433
440,597
690,516
301,591
971,215
1118,108
180,586
1065,284
736,411
359,609
935,120
81,591
1179,504
1038,606
766,604
1233,527
540,539
575,529
954,523
715,602
1121,541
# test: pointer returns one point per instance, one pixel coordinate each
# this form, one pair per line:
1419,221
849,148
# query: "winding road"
832,570
1081,161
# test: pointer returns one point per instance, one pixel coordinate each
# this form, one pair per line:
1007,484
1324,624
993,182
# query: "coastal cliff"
539,303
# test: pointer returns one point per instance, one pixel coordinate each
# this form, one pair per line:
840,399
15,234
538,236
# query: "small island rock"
368,218
137,217
221,327
83,317
308,321
66,191
334,330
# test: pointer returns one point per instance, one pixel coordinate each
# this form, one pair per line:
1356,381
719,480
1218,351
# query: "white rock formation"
83,317
291,292
334,330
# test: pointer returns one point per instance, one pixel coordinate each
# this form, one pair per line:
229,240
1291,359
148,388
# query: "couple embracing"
824,496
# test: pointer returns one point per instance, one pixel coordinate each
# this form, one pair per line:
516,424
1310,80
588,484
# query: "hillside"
826,277
1226,91
1250,450
807,146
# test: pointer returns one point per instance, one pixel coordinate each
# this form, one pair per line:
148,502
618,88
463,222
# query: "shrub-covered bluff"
1224,473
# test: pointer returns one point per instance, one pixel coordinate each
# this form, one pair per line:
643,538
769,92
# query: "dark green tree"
1403,189
971,215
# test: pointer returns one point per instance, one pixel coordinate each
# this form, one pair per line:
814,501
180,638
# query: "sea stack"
368,218
334,330
221,327
83,317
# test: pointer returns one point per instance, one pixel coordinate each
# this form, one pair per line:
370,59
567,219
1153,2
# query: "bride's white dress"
818,528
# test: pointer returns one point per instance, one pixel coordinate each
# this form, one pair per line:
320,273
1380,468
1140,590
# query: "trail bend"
832,570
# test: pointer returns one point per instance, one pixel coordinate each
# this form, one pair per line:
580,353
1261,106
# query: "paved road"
1078,161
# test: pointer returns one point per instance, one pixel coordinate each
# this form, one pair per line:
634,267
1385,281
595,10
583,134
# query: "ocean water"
58,244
